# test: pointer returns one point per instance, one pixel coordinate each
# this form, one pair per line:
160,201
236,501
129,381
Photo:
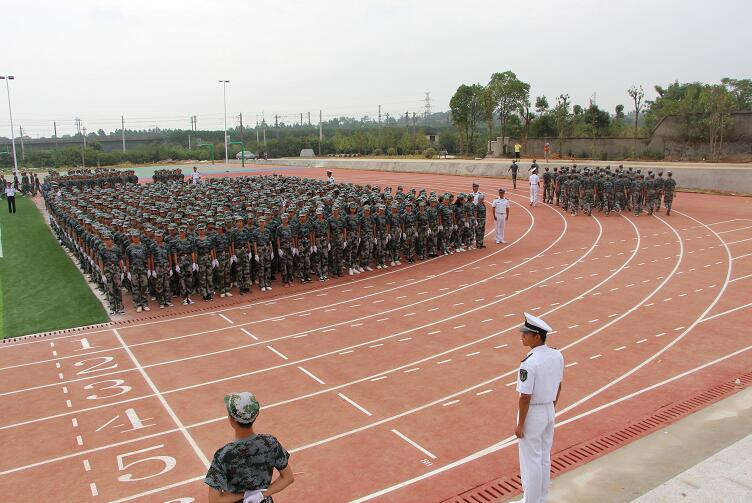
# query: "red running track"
395,385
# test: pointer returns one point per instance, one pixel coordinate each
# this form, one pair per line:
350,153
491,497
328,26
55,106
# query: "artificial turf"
40,288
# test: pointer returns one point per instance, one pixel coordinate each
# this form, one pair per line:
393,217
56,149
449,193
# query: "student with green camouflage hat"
223,260
241,254
394,234
352,236
368,239
110,265
409,232
421,236
184,257
381,224
322,244
206,258
136,255
161,269
336,239
284,241
243,468
304,240
480,219
262,250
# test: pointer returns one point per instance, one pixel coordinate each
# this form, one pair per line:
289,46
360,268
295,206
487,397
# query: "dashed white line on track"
641,341
405,339
459,326
411,370
277,352
451,402
378,378
414,444
246,332
359,407
473,353
483,392
501,346
346,352
376,345
571,364
329,330
434,332
444,361
596,356
382,319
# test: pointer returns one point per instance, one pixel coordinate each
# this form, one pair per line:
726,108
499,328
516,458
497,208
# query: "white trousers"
535,452
533,194
500,223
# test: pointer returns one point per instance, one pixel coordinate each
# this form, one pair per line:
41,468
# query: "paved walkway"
705,457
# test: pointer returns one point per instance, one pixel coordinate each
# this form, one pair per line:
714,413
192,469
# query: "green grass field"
40,288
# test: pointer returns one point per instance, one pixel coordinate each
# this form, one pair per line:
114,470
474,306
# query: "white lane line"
309,374
228,320
359,407
57,365
246,332
434,332
401,297
620,348
501,346
68,404
346,352
74,422
473,353
87,465
641,341
300,336
354,305
305,314
321,294
409,314
459,326
483,392
411,370
60,376
382,319
356,325
740,277
79,440
411,442
649,304
511,383
667,299
444,361
596,356
376,345
405,339
367,287
433,309
726,312
487,320
330,310
93,489
377,301
679,328
593,321
458,304
65,390
276,352
612,315
378,378
571,364
661,334
574,326
451,402
329,330
348,290
508,315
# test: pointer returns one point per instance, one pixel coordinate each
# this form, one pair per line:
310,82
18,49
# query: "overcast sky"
157,62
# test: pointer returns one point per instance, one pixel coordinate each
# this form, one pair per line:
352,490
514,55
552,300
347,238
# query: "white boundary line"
357,406
164,403
415,444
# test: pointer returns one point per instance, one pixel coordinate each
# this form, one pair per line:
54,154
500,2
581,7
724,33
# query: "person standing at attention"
10,195
195,176
242,469
534,186
500,207
330,178
539,385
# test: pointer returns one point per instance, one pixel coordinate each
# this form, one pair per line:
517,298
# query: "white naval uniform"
540,374
475,196
196,177
330,180
500,205
534,180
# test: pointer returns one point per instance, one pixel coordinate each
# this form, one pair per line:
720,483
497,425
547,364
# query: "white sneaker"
139,309
185,302
368,268
146,308
392,263
268,288
361,269
378,266
228,294
398,262
221,296
350,271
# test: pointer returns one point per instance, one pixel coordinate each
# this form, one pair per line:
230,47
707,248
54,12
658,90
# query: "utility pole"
241,127
84,132
379,117
257,135
83,148
276,126
321,131
122,130
224,101
309,118
54,128
23,151
264,123
427,110
407,122
301,119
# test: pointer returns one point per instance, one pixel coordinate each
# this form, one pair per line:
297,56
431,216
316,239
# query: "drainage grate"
503,488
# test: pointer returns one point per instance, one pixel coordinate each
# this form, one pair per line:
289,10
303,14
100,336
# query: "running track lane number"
132,417
124,462
117,384
97,367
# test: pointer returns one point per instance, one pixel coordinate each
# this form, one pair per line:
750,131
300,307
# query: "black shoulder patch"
528,356
523,375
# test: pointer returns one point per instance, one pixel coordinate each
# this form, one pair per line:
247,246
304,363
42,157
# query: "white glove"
215,263
388,237
329,247
171,273
177,269
313,249
358,241
467,224
148,273
257,259
344,245
194,266
129,276
272,254
233,259
121,276
441,227
404,236
454,227
249,255
375,241
253,497
428,232
295,251
281,252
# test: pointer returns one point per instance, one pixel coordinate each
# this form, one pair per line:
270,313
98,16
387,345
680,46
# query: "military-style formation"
168,175
28,185
98,177
602,189
177,239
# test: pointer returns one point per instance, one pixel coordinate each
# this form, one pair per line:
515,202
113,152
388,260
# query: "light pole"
7,78
224,97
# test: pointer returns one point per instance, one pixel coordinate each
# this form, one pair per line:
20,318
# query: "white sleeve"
526,379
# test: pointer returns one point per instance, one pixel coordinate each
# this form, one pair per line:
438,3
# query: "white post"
224,97
12,132
122,130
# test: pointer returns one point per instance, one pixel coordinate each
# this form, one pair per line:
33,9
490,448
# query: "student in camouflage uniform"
352,237
395,233
587,194
573,196
262,250
322,246
161,269
337,238
669,191
638,193
469,234
136,266
284,238
650,192
368,236
547,185
206,258
421,237
241,250
480,218
660,184
433,226
381,223
223,264
446,224
459,222
110,263
242,470
607,194
304,242
184,258
409,232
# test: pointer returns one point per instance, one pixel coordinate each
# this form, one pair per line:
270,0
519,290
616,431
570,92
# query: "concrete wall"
725,178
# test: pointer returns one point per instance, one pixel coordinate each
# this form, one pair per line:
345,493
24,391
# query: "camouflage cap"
242,407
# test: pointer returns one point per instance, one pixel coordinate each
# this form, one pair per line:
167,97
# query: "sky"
158,62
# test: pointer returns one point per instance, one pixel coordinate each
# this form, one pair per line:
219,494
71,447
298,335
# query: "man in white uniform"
195,176
329,177
539,385
475,192
500,207
534,186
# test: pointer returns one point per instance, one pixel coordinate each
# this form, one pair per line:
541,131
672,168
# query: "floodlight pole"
224,97
7,79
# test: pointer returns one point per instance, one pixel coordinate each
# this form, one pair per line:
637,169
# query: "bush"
378,151
429,153
391,151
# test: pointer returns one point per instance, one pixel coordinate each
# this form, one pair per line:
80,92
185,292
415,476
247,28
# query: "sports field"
397,385
41,288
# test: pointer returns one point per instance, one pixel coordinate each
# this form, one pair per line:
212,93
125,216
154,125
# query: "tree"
619,112
527,116
637,95
740,92
511,93
561,116
541,105
719,103
489,99
467,110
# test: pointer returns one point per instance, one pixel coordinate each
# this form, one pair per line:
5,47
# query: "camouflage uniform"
395,231
241,238
637,189
587,198
379,249
304,245
285,238
366,242
669,187
422,231
137,256
222,242
184,249
263,240
111,260
352,224
204,247
409,233
480,217
573,196
161,255
445,210
321,254
650,194
433,228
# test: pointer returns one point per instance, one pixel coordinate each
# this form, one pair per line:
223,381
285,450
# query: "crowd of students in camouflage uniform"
28,185
585,190
172,238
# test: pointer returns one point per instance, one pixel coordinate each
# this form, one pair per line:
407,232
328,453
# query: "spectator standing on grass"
10,195
500,206
243,469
